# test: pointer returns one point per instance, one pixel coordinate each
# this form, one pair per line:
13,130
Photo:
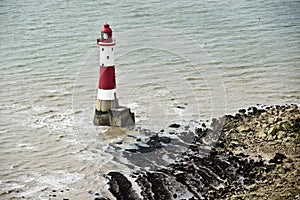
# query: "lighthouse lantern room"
108,112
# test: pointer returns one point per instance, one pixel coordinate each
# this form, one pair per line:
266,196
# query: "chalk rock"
243,128
261,135
272,131
281,135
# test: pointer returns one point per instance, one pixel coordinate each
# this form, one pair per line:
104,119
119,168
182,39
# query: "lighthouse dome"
106,33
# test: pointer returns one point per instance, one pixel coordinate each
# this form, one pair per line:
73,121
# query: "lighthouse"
107,111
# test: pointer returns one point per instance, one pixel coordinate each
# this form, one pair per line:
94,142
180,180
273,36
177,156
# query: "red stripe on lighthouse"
107,78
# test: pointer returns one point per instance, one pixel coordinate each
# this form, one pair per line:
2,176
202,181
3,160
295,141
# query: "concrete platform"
119,117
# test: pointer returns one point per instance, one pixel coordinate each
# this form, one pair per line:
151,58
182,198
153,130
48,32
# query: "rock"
200,132
271,166
289,160
271,120
278,158
281,170
242,111
155,142
264,116
286,140
281,135
254,110
237,167
243,128
265,125
253,187
272,131
261,135
277,119
270,138
174,125
234,143
154,185
120,186
288,166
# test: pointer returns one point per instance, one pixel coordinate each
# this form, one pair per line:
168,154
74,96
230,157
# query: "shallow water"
210,57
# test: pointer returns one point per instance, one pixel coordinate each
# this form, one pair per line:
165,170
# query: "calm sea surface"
176,62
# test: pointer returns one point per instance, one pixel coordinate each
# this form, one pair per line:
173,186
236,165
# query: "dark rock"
121,187
154,186
203,167
242,111
165,140
180,107
296,126
278,158
242,155
194,147
238,116
254,110
270,167
174,125
155,142
220,144
193,173
200,133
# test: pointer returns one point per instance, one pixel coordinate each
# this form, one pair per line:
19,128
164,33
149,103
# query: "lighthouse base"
101,118
120,117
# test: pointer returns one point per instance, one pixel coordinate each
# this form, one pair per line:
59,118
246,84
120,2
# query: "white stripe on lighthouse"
106,94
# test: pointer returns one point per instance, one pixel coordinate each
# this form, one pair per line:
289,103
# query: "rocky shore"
254,154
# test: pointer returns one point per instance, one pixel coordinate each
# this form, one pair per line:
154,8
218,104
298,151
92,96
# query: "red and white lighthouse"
108,112
107,81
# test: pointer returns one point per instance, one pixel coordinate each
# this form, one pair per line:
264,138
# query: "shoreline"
254,154
272,136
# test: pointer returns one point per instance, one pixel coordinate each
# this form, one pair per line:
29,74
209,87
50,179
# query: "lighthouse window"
104,36
107,57
112,49
102,49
